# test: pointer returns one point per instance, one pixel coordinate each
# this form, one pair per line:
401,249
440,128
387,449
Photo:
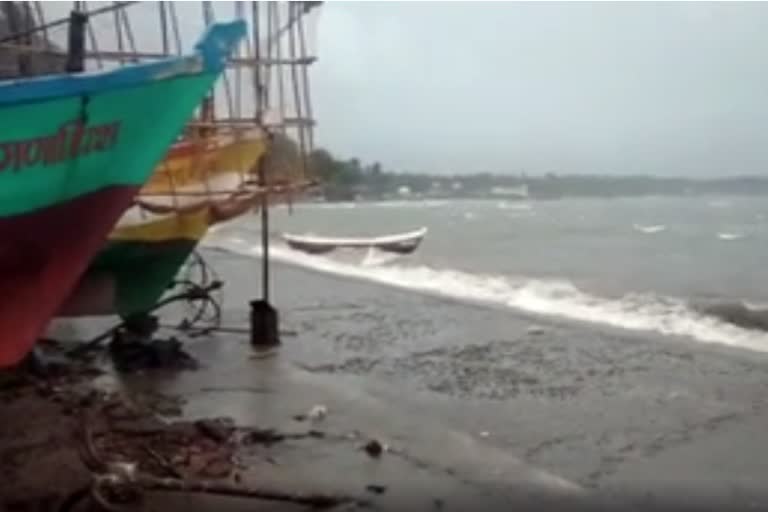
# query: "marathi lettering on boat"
73,140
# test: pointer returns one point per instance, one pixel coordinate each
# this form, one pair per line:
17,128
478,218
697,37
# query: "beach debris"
316,413
138,450
374,448
127,450
46,363
131,354
120,410
129,430
184,432
236,389
262,436
219,429
127,480
164,405
268,436
142,425
376,489
485,434
536,330
163,463
216,468
438,503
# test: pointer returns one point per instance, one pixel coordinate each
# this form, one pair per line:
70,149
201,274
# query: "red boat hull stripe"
42,256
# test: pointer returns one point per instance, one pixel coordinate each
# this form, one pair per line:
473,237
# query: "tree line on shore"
348,179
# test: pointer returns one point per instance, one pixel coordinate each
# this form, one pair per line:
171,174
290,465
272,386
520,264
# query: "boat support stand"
265,324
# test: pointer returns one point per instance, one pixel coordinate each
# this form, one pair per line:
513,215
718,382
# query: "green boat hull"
138,292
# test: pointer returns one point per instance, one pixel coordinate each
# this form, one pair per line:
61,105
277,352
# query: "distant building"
518,192
404,191
457,185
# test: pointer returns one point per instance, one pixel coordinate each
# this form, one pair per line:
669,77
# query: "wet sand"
479,406
604,409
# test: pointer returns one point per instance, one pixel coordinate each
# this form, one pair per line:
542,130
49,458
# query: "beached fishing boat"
224,166
157,235
403,243
74,151
199,183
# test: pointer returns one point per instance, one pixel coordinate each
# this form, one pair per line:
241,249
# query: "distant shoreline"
391,186
346,180
533,197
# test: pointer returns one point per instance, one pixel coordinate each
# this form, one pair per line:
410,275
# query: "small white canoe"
403,243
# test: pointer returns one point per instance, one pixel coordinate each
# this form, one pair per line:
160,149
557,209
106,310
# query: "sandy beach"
505,399
600,408
474,405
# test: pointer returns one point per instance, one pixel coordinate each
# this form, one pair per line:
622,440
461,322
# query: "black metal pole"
265,323
264,237
76,42
264,318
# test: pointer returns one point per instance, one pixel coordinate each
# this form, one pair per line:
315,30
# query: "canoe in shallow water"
403,243
74,151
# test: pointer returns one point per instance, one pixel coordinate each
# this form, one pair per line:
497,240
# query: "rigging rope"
201,294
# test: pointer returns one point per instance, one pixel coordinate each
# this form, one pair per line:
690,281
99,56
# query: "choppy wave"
755,306
374,258
408,204
404,203
719,203
664,315
656,228
504,205
328,206
730,236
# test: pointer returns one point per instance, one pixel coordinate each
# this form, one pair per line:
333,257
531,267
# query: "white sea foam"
408,204
375,257
755,306
504,205
730,236
327,206
719,203
657,228
375,204
557,298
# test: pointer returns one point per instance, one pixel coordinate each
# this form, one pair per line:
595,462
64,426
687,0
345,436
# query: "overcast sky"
626,88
